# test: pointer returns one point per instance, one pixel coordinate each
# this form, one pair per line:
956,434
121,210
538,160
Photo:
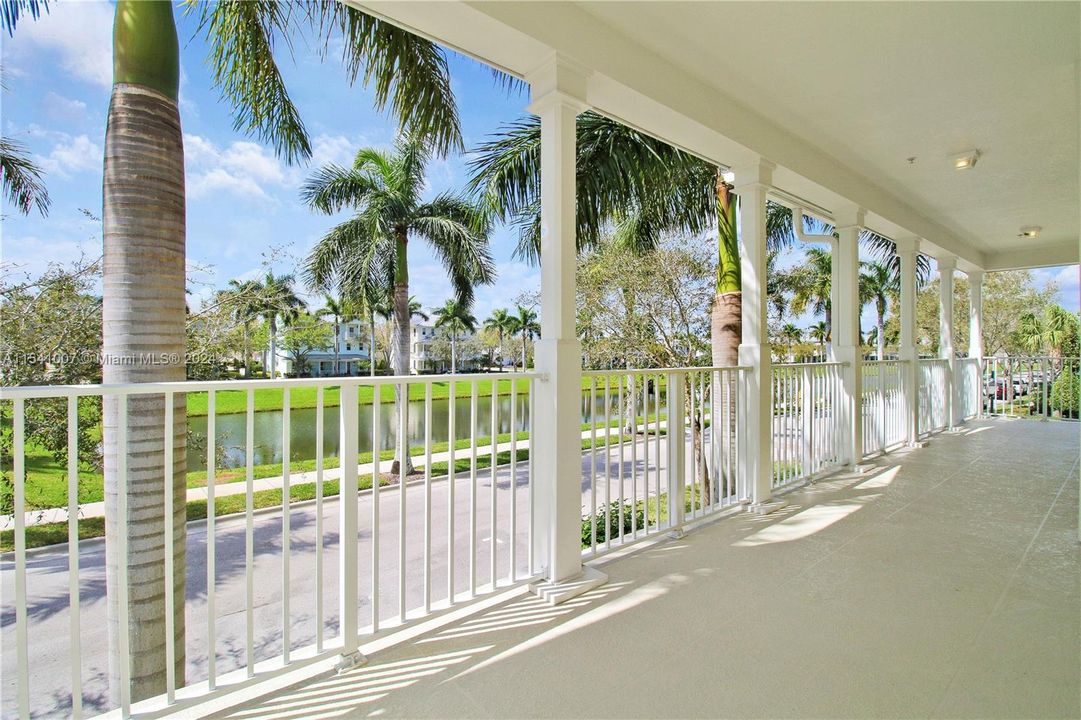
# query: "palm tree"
341,310
879,283
811,284
502,322
275,298
22,181
525,323
243,301
791,335
371,249
456,318
820,333
144,234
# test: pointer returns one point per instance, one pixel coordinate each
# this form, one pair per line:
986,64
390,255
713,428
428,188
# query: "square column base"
765,508
555,593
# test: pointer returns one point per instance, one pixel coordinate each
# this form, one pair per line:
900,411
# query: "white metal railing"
967,383
640,481
932,376
1035,387
883,405
807,437
262,602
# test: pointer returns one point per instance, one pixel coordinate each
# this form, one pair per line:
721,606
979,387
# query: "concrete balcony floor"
944,583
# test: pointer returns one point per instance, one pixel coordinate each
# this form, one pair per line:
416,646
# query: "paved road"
48,577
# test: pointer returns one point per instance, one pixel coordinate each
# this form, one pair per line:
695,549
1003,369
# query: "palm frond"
22,180
11,10
241,37
332,187
405,72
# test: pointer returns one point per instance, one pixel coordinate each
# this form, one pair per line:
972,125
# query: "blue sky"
242,201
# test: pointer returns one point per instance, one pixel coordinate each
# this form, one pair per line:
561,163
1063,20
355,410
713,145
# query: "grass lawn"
54,533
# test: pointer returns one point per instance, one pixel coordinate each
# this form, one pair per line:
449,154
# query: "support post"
846,320
946,266
975,334
755,419
558,90
908,250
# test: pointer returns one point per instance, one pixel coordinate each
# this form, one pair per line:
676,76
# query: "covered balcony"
841,538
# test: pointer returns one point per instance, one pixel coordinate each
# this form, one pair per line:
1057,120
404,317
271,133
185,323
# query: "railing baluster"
532,475
593,464
377,457
319,519
169,549
73,558
512,575
211,540
607,463
657,440
632,392
249,532
473,489
645,451
428,497
452,439
348,512
403,479
494,509
619,434
19,510
286,526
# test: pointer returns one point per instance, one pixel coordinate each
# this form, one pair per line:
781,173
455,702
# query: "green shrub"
1064,394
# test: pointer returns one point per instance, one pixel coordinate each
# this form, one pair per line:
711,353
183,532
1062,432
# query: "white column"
975,336
846,322
908,250
558,90
946,266
755,419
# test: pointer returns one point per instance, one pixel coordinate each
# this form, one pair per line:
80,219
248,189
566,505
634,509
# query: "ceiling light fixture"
1030,231
965,160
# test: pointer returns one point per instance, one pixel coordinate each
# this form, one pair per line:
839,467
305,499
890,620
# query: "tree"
275,298
242,299
456,319
820,333
811,284
502,323
383,189
526,326
303,334
791,335
342,311
880,284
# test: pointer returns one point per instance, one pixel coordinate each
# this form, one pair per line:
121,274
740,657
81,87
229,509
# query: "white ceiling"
873,84
839,95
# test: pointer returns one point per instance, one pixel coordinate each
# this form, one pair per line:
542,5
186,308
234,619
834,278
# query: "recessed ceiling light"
965,160
1030,231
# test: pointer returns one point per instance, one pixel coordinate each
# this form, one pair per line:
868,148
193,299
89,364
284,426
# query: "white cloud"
336,149
221,180
79,34
59,108
244,168
71,156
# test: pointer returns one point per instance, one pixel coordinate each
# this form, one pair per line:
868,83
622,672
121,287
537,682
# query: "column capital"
907,245
557,80
975,276
946,262
847,217
757,173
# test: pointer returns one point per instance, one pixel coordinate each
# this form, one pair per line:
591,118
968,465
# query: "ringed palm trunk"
371,347
726,318
247,351
453,353
337,345
525,341
881,327
272,361
143,315
399,348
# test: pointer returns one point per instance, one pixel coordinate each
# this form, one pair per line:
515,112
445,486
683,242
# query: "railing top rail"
883,362
654,371
809,364
1018,358
189,386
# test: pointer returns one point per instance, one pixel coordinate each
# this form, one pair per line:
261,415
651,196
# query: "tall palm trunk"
337,343
881,332
247,350
371,345
272,361
525,341
143,316
453,352
399,347
726,319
